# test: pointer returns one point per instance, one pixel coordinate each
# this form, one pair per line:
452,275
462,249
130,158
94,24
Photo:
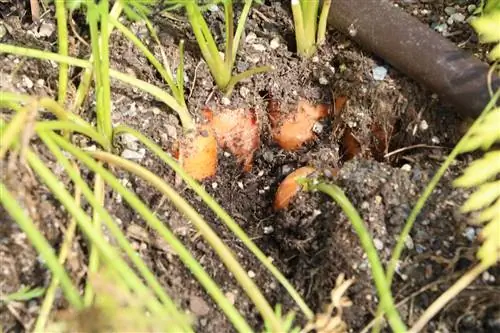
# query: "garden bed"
385,141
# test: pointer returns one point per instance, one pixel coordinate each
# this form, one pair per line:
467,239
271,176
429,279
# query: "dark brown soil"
312,242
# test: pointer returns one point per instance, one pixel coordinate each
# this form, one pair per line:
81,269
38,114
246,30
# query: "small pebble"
379,245
130,141
450,10
27,83
251,274
250,37
214,185
275,43
213,8
323,80
225,101
198,306
406,167
244,91
240,185
134,155
423,125
231,297
409,243
379,73
458,17
471,8
46,29
268,230
317,127
259,47
435,140
469,233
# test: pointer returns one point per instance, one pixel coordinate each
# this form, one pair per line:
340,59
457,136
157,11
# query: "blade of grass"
185,256
58,125
83,89
222,214
62,43
383,287
13,130
115,231
240,29
46,307
41,245
323,18
93,265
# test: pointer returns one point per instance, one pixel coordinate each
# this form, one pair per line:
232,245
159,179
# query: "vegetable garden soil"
382,147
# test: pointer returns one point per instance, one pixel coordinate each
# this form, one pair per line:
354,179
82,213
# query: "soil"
398,131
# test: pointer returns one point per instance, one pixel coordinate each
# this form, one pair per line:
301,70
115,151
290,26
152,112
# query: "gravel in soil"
387,141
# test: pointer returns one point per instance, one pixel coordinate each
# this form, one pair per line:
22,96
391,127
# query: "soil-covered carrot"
293,129
236,130
198,153
289,187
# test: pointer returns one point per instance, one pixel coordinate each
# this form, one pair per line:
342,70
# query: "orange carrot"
198,153
292,130
289,187
236,130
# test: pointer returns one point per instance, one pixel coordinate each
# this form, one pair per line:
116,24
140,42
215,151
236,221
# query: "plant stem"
222,214
170,307
50,295
323,18
245,75
186,119
240,28
447,296
398,249
62,42
41,245
210,236
383,287
93,265
58,125
14,128
131,198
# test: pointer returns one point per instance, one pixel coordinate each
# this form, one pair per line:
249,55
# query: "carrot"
198,153
294,129
236,130
289,187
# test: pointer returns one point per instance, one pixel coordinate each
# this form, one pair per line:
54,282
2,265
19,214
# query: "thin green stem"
62,42
93,20
150,218
221,213
383,287
398,249
180,74
104,116
166,75
50,295
298,19
224,252
114,229
207,45
93,265
228,18
240,28
111,256
323,20
245,75
41,245
186,119
59,125
84,87
14,128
